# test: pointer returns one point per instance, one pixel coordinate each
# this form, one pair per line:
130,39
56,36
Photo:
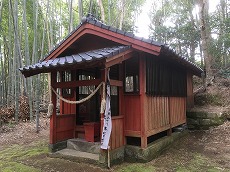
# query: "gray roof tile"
73,59
78,58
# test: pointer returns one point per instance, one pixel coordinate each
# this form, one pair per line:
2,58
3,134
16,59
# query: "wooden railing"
65,127
163,113
117,134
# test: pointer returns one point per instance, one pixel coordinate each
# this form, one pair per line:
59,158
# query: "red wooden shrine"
151,86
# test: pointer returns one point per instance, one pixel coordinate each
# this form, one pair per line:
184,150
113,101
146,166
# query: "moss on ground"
11,157
200,163
177,163
137,167
34,158
15,166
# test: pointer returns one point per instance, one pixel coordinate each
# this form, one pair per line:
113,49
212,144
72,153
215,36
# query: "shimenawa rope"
103,102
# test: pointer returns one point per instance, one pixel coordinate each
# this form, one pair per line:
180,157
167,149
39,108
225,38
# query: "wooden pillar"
142,101
121,99
53,118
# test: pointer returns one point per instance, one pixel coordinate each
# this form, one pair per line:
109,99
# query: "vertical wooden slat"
177,109
117,135
132,112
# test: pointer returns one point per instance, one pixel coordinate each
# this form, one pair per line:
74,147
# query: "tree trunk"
35,59
70,15
102,10
221,32
193,43
109,12
27,60
205,39
14,12
80,9
122,14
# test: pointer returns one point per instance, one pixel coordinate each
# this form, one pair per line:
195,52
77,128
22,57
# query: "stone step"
83,146
78,154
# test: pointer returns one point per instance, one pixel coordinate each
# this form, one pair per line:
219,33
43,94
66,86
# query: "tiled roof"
66,61
92,20
164,48
181,60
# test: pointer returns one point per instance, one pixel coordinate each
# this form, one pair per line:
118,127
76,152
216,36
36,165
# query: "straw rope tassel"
103,102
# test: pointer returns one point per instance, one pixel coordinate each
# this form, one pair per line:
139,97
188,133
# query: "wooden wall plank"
177,110
132,112
117,135
157,113
65,126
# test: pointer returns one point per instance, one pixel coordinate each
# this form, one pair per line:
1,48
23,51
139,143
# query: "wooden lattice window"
85,75
114,100
132,75
66,77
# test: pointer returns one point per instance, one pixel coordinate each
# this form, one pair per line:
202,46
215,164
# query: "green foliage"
132,9
175,23
172,24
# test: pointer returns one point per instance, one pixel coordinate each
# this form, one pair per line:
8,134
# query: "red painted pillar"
142,101
53,118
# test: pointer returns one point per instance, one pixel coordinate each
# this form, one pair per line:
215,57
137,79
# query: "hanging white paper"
107,127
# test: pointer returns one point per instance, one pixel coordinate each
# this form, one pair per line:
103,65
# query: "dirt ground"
22,149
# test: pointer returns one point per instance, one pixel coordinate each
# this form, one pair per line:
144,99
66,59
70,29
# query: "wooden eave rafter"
117,59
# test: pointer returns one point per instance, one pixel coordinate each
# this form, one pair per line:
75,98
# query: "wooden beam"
117,59
132,133
158,130
62,47
73,84
118,117
178,123
116,83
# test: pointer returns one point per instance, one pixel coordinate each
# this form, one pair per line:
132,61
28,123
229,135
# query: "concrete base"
58,146
84,146
116,156
154,149
126,153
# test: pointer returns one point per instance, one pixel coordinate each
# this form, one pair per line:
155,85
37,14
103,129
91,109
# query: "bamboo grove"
29,29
